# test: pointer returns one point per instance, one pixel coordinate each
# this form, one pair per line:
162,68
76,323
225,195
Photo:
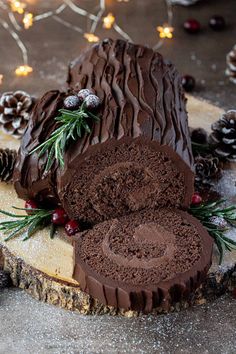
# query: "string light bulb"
28,20
108,21
20,6
23,70
1,79
91,38
165,31
17,6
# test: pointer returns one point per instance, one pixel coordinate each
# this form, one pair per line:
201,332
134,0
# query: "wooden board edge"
53,291
68,296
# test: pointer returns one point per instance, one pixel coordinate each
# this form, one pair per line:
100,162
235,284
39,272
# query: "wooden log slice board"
44,267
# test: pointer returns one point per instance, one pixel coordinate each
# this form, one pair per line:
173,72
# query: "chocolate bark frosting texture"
143,102
141,95
144,260
29,179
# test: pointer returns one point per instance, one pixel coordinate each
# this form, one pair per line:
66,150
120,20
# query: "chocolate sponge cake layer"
122,176
143,260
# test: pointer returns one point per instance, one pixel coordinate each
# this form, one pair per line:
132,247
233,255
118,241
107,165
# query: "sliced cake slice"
144,260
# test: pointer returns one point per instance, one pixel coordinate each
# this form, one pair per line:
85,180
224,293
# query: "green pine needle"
27,224
52,230
72,125
205,212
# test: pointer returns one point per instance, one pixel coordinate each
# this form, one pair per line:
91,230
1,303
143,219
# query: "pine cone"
231,65
7,163
15,109
223,136
206,169
5,279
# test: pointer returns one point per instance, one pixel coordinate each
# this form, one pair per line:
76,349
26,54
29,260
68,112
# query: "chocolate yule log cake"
143,260
138,155
114,155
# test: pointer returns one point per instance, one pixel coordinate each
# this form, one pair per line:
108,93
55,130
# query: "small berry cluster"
84,97
193,26
59,218
216,22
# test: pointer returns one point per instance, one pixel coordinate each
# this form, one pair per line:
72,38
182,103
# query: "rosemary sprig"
28,224
205,212
72,124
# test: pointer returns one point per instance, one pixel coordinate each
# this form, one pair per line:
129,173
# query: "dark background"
51,45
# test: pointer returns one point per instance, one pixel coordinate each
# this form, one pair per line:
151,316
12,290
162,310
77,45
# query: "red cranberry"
188,83
59,217
196,199
30,204
217,23
192,26
72,227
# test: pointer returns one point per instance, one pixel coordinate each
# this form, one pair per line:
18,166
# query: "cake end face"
145,260
122,176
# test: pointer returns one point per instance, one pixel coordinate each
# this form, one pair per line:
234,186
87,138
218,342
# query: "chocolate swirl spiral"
143,260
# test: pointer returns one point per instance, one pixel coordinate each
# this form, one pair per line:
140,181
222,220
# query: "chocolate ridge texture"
144,260
141,94
142,100
29,178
